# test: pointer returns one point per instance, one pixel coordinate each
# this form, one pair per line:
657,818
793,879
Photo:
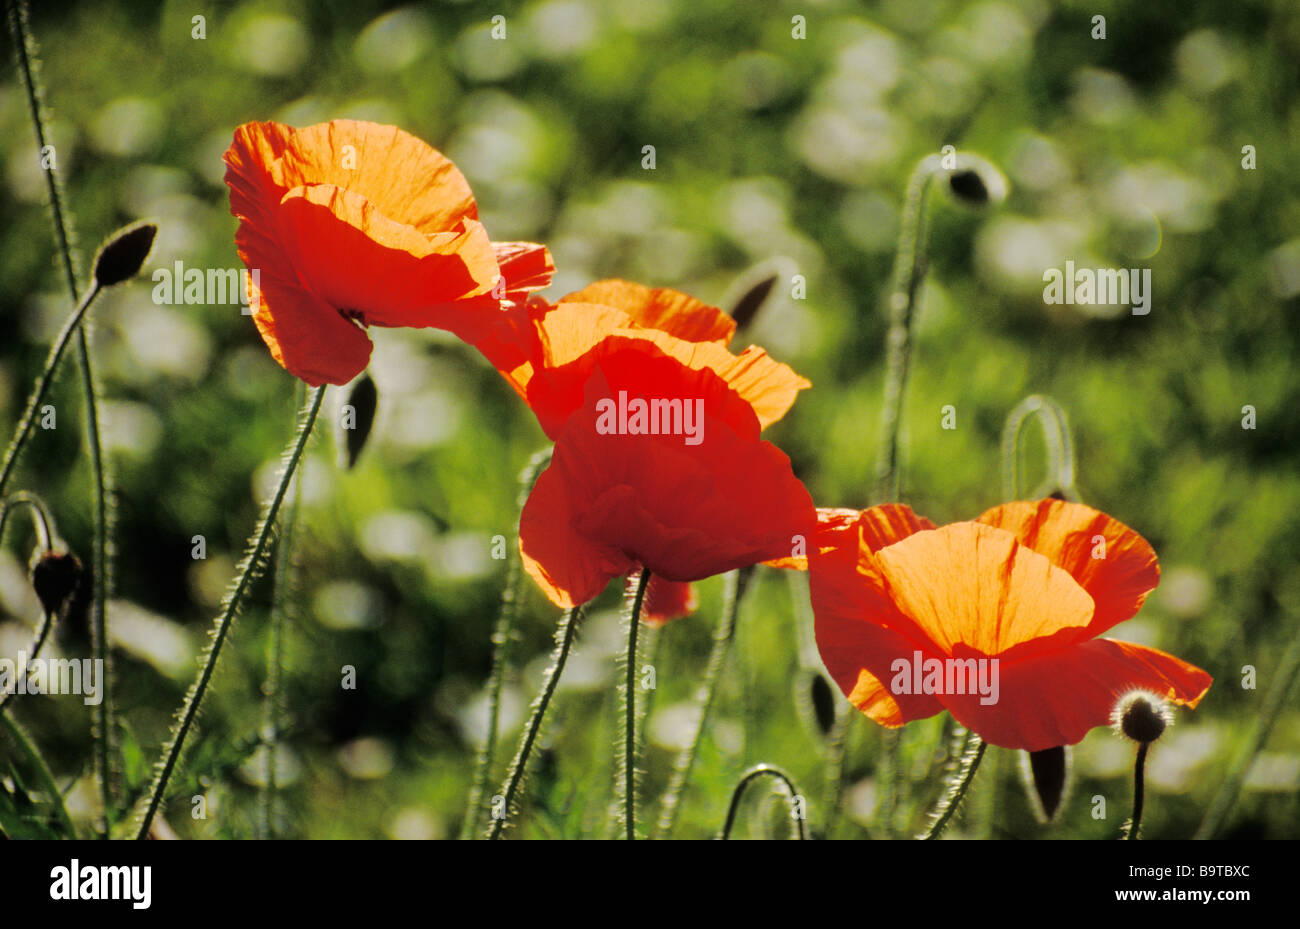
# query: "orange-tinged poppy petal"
570,568
1057,697
830,521
305,335
667,600
661,308
887,523
389,274
972,589
407,180
1072,536
684,510
572,339
526,266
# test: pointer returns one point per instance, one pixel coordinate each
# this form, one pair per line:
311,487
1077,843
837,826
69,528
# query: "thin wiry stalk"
736,582
629,706
42,521
273,699
1056,438
25,52
501,638
27,421
962,775
564,634
762,770
1226,797
28,748
1139,783
910,265
250,568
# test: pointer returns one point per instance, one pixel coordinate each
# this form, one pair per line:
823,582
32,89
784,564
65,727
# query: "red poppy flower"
1031,585
684,503
352,224
546,352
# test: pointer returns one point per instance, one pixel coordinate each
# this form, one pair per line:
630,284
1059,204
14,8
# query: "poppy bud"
55,577
121,257
1049,771
1141,716
976,182
751,301
357,419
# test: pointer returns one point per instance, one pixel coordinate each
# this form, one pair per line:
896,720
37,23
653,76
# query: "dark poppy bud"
1142,717
122,256
356,419
55,577
1049,770
823,702
976,182
751,301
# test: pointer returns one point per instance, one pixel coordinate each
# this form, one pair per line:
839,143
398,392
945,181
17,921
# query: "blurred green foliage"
1122,152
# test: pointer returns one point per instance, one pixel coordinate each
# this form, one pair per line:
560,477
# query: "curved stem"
1139,768
249,570
28,748
736,582
501,636
629,706
957,787
909,271
25,52
42,521
563,643
28,420
272,704
762,770
1056,437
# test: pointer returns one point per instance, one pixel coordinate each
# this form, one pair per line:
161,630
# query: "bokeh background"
772,153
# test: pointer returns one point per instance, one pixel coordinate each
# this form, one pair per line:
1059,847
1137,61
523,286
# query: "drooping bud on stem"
1049,773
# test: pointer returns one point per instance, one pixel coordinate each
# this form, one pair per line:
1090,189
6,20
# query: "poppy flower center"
356,316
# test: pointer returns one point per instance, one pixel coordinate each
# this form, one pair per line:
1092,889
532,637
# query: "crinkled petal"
972,589
305,335
662,308
1056,698
667,600
1072,535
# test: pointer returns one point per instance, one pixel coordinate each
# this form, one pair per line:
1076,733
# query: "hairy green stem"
736,582
501,636
910,265
1226,796
28,748
249,570
1139,785
763,770
25,52
629,705
1056,437
957,786
564,634
273,699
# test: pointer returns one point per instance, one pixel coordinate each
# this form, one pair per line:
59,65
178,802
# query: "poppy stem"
1139,768
910,265
629,705
957,786
791,792
250,568
273,698
1230,789
1056,437
563,643
28,748
736,582
42,521
501,636
102,730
